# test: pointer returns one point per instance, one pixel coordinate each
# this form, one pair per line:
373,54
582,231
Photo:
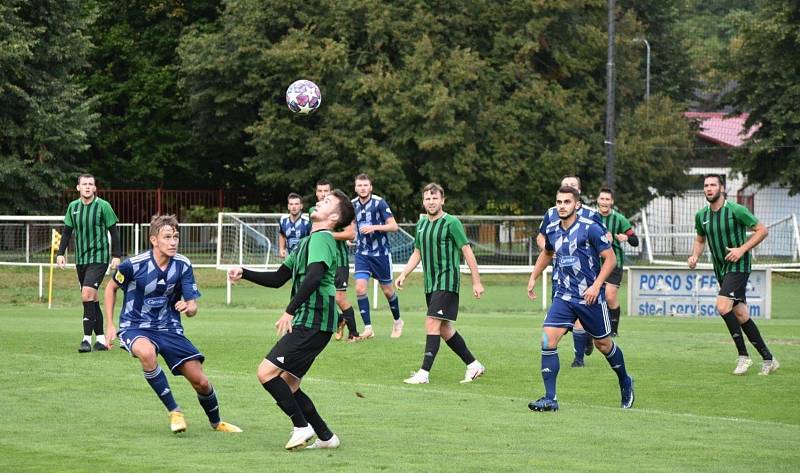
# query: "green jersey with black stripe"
342,250
90,223
319,311
616,223
440,242
725,228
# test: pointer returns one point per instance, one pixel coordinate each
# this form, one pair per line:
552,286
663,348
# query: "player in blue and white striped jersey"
576,244
292,227
158,286
373,256
582,343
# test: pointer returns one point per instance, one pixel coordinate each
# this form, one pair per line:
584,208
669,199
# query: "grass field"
64,411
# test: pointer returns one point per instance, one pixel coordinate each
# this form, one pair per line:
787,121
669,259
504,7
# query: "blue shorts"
594,318
175,348
378,267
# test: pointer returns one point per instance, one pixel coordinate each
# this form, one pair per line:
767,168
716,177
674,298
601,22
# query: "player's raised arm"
262,278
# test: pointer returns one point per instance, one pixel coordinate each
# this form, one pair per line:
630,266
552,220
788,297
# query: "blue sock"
579,340
158,381
617,363
363,307
394,304
210,405
550,367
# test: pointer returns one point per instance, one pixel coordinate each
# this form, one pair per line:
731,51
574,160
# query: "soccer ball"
303,97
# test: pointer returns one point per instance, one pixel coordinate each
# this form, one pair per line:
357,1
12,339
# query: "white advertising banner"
667,290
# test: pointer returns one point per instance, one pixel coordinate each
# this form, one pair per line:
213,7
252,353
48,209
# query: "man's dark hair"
364,177
86,175
433,188
570,190
160,221
719,178
580,184
606,190
323,182
294,195
345,209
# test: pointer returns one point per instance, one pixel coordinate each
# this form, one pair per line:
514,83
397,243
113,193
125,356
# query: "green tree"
45,113
765,63
144,138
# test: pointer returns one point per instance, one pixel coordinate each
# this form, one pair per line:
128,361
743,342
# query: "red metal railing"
139,205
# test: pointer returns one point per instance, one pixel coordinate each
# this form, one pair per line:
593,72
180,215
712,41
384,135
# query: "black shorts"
91,275
442,305
615,278
734,286
341,278
295,352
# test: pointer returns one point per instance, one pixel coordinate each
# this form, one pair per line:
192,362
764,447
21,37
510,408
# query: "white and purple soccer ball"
303,97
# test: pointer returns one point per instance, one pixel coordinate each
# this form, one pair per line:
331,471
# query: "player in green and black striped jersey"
724,225
323,188
439,242
90,219
306,326
621,230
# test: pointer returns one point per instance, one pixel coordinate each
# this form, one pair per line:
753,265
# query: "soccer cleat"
397,328
339,331
418,377
332,442
177,423
769,366
577,364
367,333
543,404
353,339
474,371
626,392
85,347
300,437
100,347
589,347
227,427
743,364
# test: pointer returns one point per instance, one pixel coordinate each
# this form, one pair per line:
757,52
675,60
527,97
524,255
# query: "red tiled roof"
716,128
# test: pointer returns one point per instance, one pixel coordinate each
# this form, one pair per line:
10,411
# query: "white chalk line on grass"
426,390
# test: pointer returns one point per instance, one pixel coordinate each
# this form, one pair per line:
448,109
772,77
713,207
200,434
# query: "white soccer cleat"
367,333
332,442
474,371
419,377
300,437
742,365
397,328
769,366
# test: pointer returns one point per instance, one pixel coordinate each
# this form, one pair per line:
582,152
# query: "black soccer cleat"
626,392
543,404
100,347
85,347
577,364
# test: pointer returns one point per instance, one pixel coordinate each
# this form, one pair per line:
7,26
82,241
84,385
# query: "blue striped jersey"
374,211
293,231
576,259
151,293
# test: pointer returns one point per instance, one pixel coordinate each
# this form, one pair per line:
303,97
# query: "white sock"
474,364
101,339
367,327
87,338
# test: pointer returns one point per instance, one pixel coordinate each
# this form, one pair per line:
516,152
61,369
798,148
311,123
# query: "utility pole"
610,98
